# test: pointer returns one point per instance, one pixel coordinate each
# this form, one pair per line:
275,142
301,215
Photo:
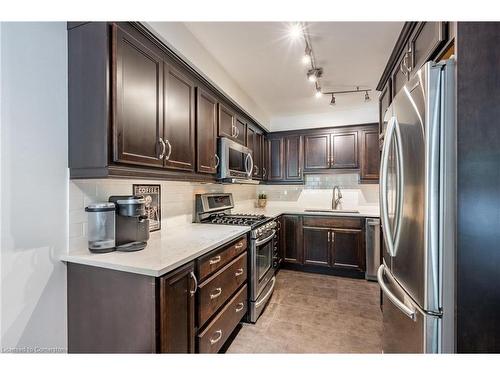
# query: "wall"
177,36
336,116
34,186
317,192
177,201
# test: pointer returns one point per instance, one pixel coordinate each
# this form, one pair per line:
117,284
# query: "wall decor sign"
152,194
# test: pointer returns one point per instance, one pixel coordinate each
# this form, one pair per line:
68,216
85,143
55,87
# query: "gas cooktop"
251,220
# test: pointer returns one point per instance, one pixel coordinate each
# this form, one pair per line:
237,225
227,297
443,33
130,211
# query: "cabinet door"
425,42
276,159
259,155
240,130
316,246
399,74
345,150
348,249
177,301
316,152
370,155
384,102
293,158
179,125
291,239
226,122
137,127
206,128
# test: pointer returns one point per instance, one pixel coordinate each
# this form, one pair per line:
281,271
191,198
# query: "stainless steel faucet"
336,200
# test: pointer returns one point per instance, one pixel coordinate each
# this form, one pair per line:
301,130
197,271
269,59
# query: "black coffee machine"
132,223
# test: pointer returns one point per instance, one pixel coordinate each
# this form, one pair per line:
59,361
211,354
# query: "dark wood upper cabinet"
293,158
316,151
316,246
240,126
137,128
226,122
291,244
425,42
347,249
179,120
206,130
370,155
344,150
276,160
177,311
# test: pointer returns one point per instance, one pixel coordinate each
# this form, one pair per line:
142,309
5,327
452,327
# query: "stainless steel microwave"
236,162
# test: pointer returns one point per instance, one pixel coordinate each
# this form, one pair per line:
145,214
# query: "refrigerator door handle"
384,215
408,311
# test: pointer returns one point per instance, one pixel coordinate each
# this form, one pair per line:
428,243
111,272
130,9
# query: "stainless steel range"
215,208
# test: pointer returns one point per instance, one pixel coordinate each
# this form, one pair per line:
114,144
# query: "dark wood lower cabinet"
177,311
122,312
332,245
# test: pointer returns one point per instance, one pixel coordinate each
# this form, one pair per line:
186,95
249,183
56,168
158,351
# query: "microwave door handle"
384,215
249,168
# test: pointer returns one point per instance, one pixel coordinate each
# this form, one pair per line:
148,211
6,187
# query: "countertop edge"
77,259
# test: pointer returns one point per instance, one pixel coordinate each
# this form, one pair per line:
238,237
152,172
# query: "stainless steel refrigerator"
417,208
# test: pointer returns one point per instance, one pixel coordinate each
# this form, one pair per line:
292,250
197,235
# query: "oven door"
235,160
262,262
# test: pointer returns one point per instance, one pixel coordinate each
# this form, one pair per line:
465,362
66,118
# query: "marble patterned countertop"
173,247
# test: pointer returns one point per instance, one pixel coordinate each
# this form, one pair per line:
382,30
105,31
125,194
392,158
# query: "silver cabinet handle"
163,148
233,131
408,311
239,245
193,276
300,171
264,172
215,260
219,336
217,161
237,132
239,272
169,149
218,292
239,307
329,236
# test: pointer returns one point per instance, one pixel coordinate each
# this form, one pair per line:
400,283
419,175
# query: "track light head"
311,76
306,59
332,102
318,94
367,97
295,30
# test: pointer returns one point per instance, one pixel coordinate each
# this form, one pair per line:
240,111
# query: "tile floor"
310,313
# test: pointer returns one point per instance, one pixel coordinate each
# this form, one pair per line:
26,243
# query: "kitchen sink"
332,211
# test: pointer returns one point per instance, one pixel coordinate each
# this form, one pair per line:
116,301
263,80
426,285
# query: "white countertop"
173,247
166,250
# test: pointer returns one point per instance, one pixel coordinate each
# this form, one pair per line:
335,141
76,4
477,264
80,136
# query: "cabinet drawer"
332,222
215,260
216,290
213,337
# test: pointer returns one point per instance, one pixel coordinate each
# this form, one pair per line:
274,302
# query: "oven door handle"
267,239
265,298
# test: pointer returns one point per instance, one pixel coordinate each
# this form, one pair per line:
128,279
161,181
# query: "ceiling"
266,63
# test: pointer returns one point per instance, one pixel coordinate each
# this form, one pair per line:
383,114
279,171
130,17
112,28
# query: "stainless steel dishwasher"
372,238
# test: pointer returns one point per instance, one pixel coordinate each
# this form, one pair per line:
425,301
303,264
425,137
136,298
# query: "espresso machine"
132,223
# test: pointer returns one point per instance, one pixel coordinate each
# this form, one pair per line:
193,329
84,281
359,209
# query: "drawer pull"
218,292
240,306
215,260
219,336
239,272
239,245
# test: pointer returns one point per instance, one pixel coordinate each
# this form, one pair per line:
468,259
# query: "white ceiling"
266,63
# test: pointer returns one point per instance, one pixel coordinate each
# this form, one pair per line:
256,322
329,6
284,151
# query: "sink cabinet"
324,244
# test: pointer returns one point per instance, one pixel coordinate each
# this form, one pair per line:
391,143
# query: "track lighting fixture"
332,102
306,59
314,74
318,94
